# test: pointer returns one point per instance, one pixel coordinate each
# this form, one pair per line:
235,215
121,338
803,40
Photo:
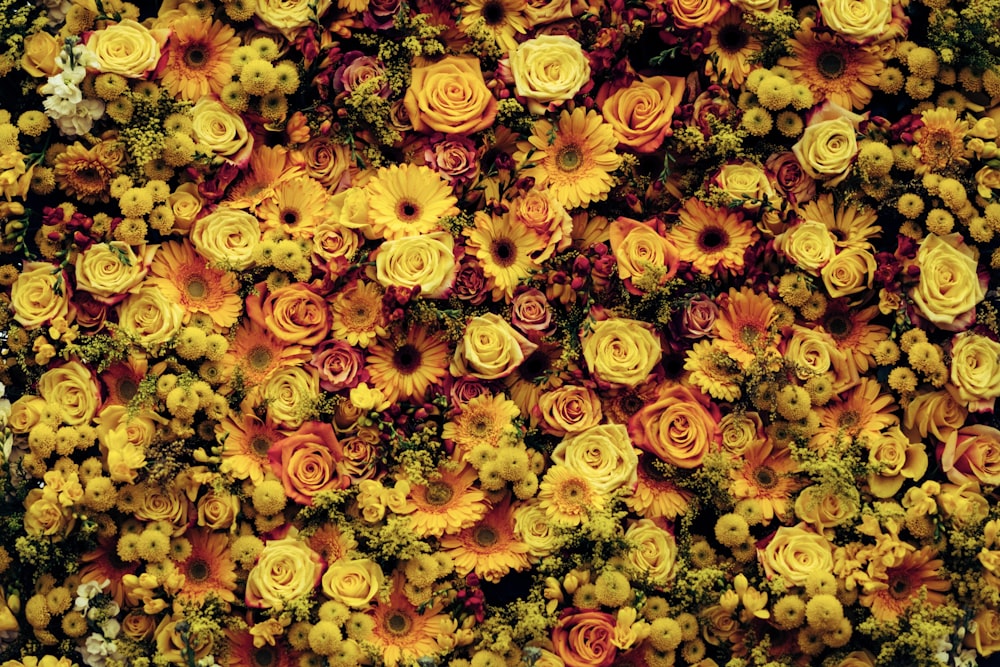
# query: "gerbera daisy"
447,503
573,159
713,371
402,632
406,369
408,199
296,206
357,314
542,370
832,68
863,412
852,226
490,547
330,542
504,251
255,354
245,442
503,19
655,495
892,593
86,173
209,569
198,57
185,278
268,166
240,650
103,564
767,478
122,379
567,496
711,239
940,141
853,332
485,419
744,324
730,45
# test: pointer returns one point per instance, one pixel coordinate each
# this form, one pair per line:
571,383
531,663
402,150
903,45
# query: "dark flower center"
493,13
397,623
732,38
838,326
830,64
127,389
569,159
259,358
406,359
765,477
196,288
407,210
199,570
534,365
195,57
260,445
503,252
438,493
486,536
713,239
263,657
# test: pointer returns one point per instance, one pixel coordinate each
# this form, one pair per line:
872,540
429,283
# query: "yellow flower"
894,459
652,551
450,96
227,237
828,145
110,271
548,70
490,348
949,287
353,582
603,454
150,316
127,48
852,270
794,553
640,113
859,20
621,351
286,569
221,131
39,295
426,261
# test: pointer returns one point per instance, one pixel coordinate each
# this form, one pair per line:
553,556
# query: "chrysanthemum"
103,564
766,476
744,325
255,354
567,496
711,239
504,251
86,173
185,278
241,651
832,68
486,419
296,206
573,159
447,503
853,332
245,441
403,633
542,370
863,412
713,371
655,495
852,226
730,45
406,369
198,57
940,144
490,547
357,314
209,570
504,19
892,592
407,199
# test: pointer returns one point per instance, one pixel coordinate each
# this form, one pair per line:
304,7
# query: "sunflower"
357,314
447,503
198,57
712,239
486,419
744,324
713,371
832,68
730,45
573,159
255,354
209,569
504,251
766,477
185,278
330,542
864,412
893,590
655,495
853,332
542,370
490,547
296,206
86,173
103,564
567,496
852,226
503,19
402,632
405,370
245,443
239,650
406,200
940,141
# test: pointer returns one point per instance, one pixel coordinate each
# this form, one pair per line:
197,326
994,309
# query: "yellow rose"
221,131
540,12
987,180
350,209
585,639
139,427
857,659
894,459
765,6
25,412
164,504
426,261
333,241
176,648
986,637
40,51
824,507
794,553
218,511
677,427
949,286
696,13
934,413
640,113
852,270
639,248
286,570
747,183
490,348
809,244
139,626
45,515
741,431
127,48
40,294
287,391
533,527
652,551
111,271
975,371
828,145
326,161
227,237
814,352
857,19
353,582
569,409
72,390
289,16
972,454
185,202
546,217
548,70
149,316
450,96
621,351
603,454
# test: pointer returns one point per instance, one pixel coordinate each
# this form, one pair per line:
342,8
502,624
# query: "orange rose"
293,313
307,461
696,13
450,96
568,409
640,114
585,639
677,427
972,454
639,248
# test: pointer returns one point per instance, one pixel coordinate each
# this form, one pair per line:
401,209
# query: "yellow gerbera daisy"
711,239
503,19
447,503
185,278
209,570
405,370
296,207
486,419
403,633
245,442
730,45
407,199
567,496
357,314
490,547
504,251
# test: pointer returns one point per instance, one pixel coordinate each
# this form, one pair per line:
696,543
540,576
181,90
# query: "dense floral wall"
499,332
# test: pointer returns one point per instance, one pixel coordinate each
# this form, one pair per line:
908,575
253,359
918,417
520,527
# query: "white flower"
87,591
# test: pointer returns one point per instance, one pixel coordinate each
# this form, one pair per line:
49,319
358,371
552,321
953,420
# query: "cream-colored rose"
809,244
160,503
852,270
859,20
72,391
746,183
450,96
814,352
696,13
825,507
290,16
987,180
603,454
353,582
111,271
40,294
218,511
640,114
286,570
490,348
40,52
185,202
149,316
139,427
828,145
934,413
975,371
426,261
548,70
949,287
795,553
221,131
127,48
621,351
286,391
326,161
227,237
534,527
540,12
569,409
546,217
652,551
893,460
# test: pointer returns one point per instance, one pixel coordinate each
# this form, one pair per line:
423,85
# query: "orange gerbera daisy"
209,569
255,354
573,158
744,325
103,564
402,632
245,442
85,173
503,19
268,166
713,371
486,419
655,495
504,250
330,542
731,42
712,239
853,332
357,314
408,199
766,478
892,592
940,143
240,651
296,207
447,503
490,547
405,370
122,379
833,68
542,370
198,57
185,278
863,412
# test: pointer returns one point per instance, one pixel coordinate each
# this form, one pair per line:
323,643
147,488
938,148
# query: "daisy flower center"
830,64
732,38
713,239
407,210
534,366
195,57
493,13
486,536
127,389
407,359
569,159
838,327
439,493
503,252
263,657
196,288
259,358
848,419
199,570
260,445
899,588
289,216
398,623
749,334
765,477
